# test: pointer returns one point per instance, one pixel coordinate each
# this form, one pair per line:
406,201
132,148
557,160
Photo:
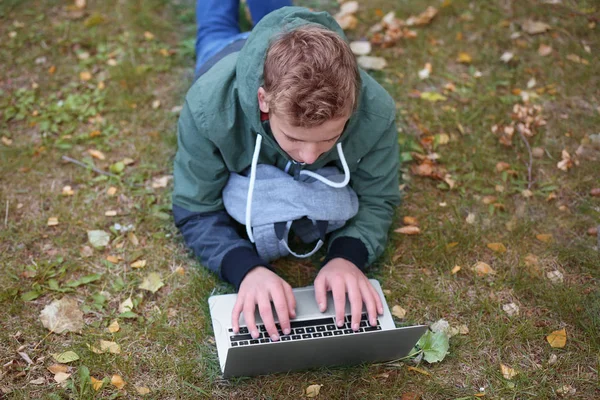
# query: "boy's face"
304,145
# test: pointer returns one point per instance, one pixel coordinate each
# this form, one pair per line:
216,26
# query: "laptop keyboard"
301,330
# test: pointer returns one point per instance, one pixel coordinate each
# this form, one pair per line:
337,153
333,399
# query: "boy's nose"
309,156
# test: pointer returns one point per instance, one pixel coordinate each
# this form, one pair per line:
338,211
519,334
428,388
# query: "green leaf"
84,379
432,97
31,295
117,167
128,314
434,346
65,357
84,280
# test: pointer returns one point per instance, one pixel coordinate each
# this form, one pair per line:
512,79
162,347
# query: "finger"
355,298
369,297
291,299
249,308
235,315
321,294
266,314
281,307
378,300
339,301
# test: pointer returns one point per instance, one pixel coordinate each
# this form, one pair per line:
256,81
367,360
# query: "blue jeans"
218,23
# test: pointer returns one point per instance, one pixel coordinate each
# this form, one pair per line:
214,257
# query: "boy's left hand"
341,277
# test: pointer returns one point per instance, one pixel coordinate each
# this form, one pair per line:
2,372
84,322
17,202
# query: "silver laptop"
315,340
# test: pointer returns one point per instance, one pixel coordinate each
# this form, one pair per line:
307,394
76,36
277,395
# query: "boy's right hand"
259,287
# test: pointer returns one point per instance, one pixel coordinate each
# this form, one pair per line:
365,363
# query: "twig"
530,163
72,160
6,215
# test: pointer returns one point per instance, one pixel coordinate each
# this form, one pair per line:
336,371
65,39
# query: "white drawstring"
251,187
328,182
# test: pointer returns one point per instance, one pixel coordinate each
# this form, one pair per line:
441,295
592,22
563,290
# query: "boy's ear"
262,100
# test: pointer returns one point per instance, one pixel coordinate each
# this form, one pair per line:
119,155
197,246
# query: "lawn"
498,115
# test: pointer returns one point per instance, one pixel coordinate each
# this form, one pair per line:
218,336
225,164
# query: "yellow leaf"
455,269
313,390
67,191
139,264
557,339
56,368
148,35
96,383
398,312
52,221
483,269
497,247
410,221
85,76
543,237
452,245
408,230
443,138
113,327
111,191
507,372
6,141
152,282
180,271
97,154
112,259
142,390
464,58
433,97
117,381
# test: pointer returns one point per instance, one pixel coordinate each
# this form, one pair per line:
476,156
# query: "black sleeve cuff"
238,262
348,248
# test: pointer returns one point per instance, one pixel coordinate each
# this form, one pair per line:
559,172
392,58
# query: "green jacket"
220,121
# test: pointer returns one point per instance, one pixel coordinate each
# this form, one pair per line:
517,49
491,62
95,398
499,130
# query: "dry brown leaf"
6,141
410,221
419,370
557,339
80,4
313,390
502,166
544,50
410,396
483,269
62,316
497,247
455,269
133,239
85,76
96,383
511,309
489,199
424,18
592,231
398,312
142,390
52,221
61,377
595,192
148,35
112,259
347,22
576,59
39,381
97,154
535,27
566,163
111,191
67,191
507,372
113,327
110,213
408,230
117,382
544,237
139,264
56,368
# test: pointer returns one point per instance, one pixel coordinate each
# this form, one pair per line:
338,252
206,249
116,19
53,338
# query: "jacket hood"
250,63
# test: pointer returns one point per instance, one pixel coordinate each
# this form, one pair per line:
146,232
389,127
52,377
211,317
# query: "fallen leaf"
502,166
464,58
6,141
111,191
544,237
155,104
595,192
424,18
114,326
85,76
97,154
110,213
483,269
398,312
566,390
410,221
180,271
527,193
148,35
497,247
433,97
152,282
566,163
126,306
434,346
67,191
117,382
361,47
576,59
592,231
507,372
557,339
511,309
553,358
489,199
80,4
65,357
534,27
139,264
106,346
419,370
142,390
62,316
349,7
372,63
455,269
555,276
506,56
161,182
61,377
408,230
112,259
96,383
441,325
470,219
56,368
410,396
347,22
98,239
133,239
86,251
38,381
313,390
52,221
425,72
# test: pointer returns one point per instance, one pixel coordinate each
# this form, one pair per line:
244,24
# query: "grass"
49,109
